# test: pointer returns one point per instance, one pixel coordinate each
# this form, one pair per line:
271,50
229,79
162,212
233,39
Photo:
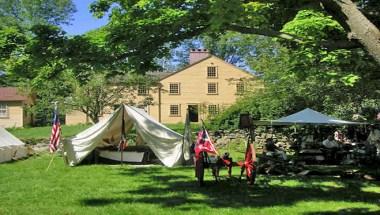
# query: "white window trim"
216,109
5,107
179,88
179,110
216,73
216,86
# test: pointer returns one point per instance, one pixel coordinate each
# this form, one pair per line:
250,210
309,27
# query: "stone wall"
223,138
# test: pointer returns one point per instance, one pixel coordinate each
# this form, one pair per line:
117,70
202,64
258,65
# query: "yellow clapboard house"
205,87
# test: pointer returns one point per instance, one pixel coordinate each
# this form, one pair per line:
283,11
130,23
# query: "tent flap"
11,147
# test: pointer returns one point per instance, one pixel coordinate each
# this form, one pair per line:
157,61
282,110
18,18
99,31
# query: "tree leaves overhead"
18,42
141,30
314,25
27,13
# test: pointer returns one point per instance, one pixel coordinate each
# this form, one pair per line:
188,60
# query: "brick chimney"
197,55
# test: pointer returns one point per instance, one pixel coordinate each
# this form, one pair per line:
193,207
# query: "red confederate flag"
55,132
204,143
250,157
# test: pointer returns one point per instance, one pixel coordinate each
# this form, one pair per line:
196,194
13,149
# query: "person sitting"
296,142
374,138
307,141
330,143
330,148
272,149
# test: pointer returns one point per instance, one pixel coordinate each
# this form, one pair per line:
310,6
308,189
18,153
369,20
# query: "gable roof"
160,75
206,58
10,94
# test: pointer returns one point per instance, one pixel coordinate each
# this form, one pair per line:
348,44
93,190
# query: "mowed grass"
45,132
27,188
71,130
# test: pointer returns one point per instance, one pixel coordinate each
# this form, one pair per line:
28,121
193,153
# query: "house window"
240,88
213,109
212,88
211,72
174,110
3,110
174,88
142,90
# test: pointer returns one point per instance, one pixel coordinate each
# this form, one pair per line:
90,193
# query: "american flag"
204,143
55,132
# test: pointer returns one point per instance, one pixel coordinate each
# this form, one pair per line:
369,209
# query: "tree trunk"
358,26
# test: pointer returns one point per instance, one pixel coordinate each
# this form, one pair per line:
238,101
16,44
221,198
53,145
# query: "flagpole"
208,136
51,161
54,152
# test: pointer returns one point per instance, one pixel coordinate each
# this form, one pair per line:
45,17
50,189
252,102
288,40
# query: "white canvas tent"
11,148
166,144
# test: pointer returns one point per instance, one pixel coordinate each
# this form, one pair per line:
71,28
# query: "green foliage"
93,97
47,65
148,29
365,109
27,13
44,95
233,47
314,25
40,55
135,27
104,93
180,127
334,82
11,39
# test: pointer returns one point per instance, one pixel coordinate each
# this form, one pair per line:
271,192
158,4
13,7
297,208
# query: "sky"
83,19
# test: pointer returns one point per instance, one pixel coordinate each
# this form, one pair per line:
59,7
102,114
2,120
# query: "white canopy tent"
308,117
166,144
11,148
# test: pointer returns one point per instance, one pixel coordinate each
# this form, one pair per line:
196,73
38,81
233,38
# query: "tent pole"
122,140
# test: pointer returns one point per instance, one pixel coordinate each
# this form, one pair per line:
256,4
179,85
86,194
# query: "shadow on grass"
350,211
182,191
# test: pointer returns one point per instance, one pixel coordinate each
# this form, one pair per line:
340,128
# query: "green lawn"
71,130
45,132
27,188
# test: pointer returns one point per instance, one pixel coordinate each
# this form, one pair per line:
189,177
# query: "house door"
193,113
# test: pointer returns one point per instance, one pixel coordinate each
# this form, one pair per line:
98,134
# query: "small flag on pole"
55,131
204,143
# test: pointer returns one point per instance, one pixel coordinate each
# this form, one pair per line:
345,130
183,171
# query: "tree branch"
265,32
340,44
355,23
329,45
